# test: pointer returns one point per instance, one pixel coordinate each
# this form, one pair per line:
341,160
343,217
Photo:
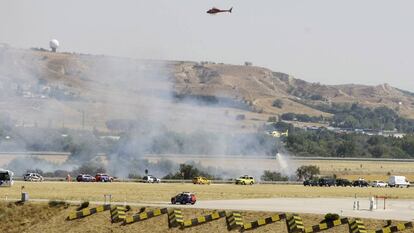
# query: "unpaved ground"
19,219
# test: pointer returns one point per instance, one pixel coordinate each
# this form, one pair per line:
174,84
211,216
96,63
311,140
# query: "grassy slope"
40,218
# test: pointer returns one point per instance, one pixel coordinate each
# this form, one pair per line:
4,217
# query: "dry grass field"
139,192
42,218
370,170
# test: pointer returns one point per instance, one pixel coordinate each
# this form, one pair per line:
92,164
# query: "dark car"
310,183
326,182
85,178
343,182
360,183
184,198
103,178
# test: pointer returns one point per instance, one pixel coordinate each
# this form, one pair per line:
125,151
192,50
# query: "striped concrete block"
145,215
397,228
326,226
118,214
263,222
203,219
175,218
357,226
87,212
234,220
295,224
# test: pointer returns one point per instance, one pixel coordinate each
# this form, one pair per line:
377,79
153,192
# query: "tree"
273,176
277,103
307,172
187,172
377,151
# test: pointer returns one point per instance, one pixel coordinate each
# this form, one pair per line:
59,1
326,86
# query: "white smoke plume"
88,97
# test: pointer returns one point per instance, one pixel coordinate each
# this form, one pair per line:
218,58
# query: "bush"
307,172
272,119
273,176
187,172
90,168
329,217
83,205
277,103
134,176
57,204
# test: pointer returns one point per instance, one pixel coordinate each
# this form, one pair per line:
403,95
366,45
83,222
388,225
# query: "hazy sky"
330,42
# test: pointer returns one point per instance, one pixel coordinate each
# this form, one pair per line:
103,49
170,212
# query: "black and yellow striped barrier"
175,218
118,214
145,215
397,228
357,226
295,224
88,211
326,225
204,219
263,222
234,220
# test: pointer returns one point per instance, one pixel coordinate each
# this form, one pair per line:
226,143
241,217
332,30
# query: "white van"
6,178
398,181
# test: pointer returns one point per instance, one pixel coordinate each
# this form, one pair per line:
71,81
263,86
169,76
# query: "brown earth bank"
46,219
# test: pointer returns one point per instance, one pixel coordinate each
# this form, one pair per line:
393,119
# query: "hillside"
39,88
259,87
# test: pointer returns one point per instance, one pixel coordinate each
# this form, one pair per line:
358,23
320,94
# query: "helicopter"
215,10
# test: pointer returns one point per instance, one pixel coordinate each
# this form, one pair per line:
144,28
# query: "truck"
398,181
6,178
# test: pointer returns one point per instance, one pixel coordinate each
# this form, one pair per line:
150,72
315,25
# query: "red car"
103,178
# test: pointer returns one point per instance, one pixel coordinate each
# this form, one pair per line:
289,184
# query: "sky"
325,41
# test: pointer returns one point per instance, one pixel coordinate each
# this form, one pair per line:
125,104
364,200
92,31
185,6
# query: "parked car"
33,177
398,181
184,198
85,178
379,183
326,182
201,180
310,182
360,183
245,180
103,178
151,179
343,182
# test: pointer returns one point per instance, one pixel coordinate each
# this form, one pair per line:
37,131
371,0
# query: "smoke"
68,102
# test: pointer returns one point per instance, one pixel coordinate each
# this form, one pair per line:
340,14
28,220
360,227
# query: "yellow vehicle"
245,180
201,180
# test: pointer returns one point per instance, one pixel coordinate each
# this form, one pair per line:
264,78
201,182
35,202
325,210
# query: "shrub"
277,103
57,204
273,176
83,205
